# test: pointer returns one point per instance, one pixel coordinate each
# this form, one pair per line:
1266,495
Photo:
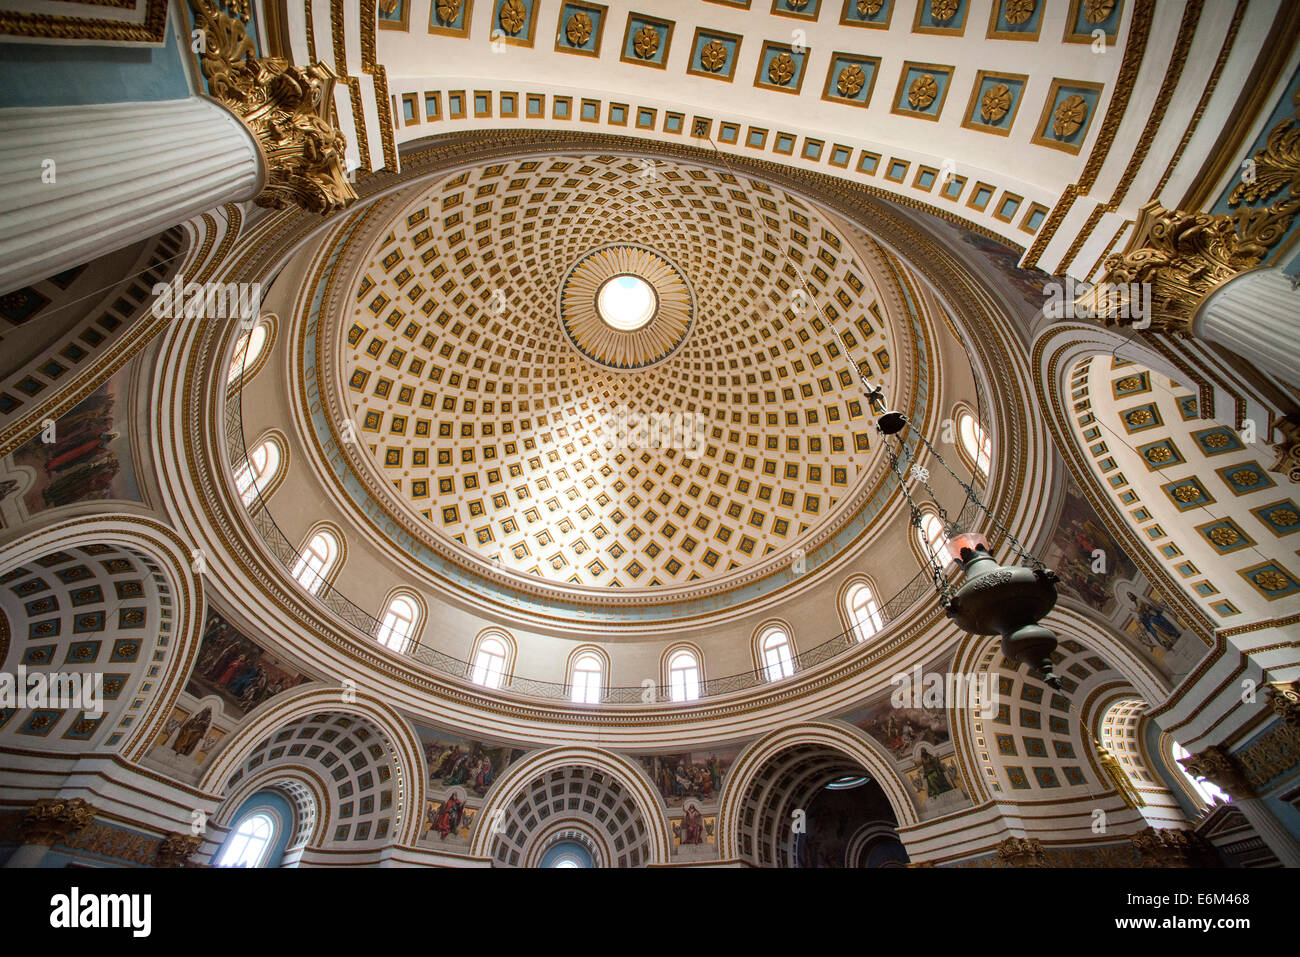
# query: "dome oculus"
626,303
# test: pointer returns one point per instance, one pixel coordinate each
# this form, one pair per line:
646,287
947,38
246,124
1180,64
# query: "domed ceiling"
602,371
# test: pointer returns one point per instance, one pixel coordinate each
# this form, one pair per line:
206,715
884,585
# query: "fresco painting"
237,670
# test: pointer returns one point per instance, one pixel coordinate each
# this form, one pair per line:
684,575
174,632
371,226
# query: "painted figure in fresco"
192,732
1159,629
79,449
934,775
693,825
448,818
483,777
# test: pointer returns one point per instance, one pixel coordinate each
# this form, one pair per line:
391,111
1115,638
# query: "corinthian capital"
1022,852
53,821
175,849
1284,700
1220,768
289,109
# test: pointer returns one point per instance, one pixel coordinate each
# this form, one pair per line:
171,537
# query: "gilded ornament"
288,109
1018,11
646,42
448,11
1139,417
942,11
1245,477
578,29
996,102
1283,517
923,91
1217,440
1129,384
388,7
1095,11
869,8
513,16
1069,116
1188,493
1223,536
1270,580
1160,453
781,70
797,4
851,80
713,56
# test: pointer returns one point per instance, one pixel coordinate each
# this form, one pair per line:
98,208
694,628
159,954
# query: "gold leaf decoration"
388,7
781,70
1095,11
1283,517
448,11
1129,383
1223,536
1245,476
1270,580
1188,493
1069,116
869,8
1217,440
288,109
646,42
1139,417
797,4
713,56
513,15
942,11
996,102
1160,453
923,91
851,80
1018,11
578,29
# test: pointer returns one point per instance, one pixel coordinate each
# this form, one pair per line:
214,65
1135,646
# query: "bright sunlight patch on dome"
626,303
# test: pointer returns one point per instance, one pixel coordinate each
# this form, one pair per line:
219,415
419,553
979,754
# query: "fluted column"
1219,767
50,821
1257,316
79,181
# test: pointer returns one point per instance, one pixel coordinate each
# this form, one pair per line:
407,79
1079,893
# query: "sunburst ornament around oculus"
625,306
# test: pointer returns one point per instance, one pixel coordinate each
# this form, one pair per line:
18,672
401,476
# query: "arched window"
933,540
1207,791
778,662
586,683
489,663
975,442
259,472
684,676
317,561
250,843
398,624
248,349
864,611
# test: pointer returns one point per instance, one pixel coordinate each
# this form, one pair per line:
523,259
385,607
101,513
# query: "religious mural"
696,775
190,734
900,730
235,669
935,776
471,765
448,817
694,828
1086,556
86,455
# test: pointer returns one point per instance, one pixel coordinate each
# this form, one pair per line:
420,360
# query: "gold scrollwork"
941,11
289,109
1018,11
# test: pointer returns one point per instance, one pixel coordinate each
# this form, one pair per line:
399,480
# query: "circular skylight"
626,303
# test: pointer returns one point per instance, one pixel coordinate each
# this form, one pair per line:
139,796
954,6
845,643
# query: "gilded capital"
1220,768
175,849
1115,771
53,821
289,109
1166,847
1284,700
1022,852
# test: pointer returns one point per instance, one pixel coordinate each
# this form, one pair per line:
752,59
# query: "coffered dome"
598,371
